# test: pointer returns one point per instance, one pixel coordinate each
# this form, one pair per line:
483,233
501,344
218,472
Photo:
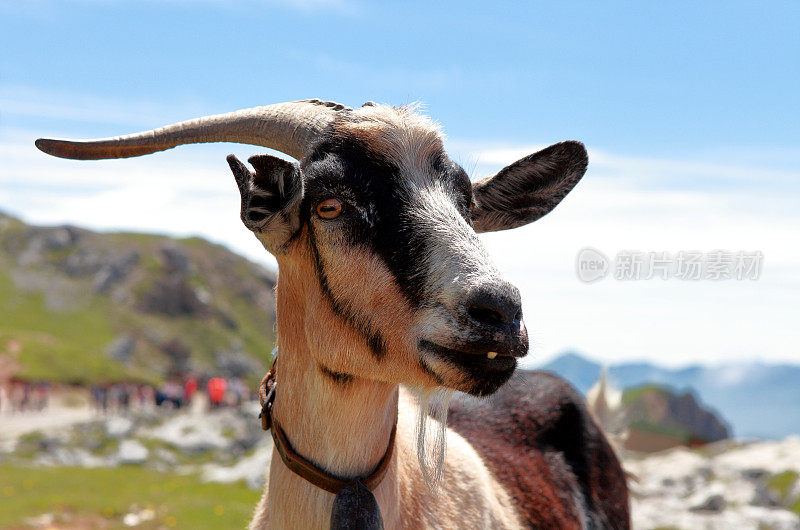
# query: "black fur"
487,376
374,205
269,197
355,508
372,217
339,378
529,188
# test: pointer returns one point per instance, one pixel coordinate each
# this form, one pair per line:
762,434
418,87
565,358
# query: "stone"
714,503
122,348
132,452
118,427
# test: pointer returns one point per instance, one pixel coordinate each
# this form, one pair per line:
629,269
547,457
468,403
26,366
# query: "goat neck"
342,424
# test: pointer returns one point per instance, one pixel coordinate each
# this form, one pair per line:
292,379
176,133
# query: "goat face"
387,225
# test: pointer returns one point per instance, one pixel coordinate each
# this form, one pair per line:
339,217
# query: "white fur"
432,405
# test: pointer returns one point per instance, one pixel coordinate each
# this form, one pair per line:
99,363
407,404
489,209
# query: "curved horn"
286,127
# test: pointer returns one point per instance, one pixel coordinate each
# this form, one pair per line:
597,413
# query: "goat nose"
495,306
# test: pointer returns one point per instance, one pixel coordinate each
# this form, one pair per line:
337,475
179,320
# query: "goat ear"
270,198
529,188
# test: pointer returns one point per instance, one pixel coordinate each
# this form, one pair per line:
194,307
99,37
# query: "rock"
137,517
178,353
106,266
74,457
192,433
131,452
267,277
714,503
175,259
166,456
252,469
118,427
41,521
656,419
42,241
114,271
754,474
237,364
122,348
762,496
172,295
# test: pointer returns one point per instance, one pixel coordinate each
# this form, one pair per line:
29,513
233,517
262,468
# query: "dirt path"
13,426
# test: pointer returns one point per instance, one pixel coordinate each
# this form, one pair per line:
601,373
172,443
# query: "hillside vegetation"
81,307
73,497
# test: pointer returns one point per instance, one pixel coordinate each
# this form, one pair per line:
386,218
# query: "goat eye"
329,209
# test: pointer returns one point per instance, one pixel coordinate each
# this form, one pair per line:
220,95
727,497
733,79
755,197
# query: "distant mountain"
81,306
758,399
652,413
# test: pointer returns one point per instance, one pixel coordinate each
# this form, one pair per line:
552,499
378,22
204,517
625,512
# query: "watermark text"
591,265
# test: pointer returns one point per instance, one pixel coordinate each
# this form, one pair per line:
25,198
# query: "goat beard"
432,406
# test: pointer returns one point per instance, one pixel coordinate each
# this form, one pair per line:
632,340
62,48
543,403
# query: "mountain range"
758,400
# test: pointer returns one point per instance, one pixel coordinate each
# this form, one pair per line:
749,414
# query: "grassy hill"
99,498
80,306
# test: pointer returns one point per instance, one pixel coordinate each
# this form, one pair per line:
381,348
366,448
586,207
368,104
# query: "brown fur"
345,430
538,439
362,282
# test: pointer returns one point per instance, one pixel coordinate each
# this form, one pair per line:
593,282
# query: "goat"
383,282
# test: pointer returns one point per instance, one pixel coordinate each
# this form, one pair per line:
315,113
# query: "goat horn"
287,127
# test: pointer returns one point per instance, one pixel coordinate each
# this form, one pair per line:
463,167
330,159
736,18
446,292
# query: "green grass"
70,345
667,429
62,346
632,395
782,482
179,501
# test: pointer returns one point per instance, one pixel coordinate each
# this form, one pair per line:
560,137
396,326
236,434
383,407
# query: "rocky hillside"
81,306
652,408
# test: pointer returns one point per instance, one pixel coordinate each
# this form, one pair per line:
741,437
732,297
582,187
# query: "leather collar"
302,466
321,478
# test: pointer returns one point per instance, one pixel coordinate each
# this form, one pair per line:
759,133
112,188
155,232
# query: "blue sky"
691,113
654,78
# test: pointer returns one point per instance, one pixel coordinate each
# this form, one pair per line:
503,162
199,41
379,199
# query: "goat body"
383,282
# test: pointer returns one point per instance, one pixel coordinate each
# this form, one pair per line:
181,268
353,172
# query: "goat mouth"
483,369
474,358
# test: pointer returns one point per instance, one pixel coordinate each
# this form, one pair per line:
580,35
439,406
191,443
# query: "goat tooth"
491,354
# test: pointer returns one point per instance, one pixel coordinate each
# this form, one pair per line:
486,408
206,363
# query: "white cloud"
624,203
